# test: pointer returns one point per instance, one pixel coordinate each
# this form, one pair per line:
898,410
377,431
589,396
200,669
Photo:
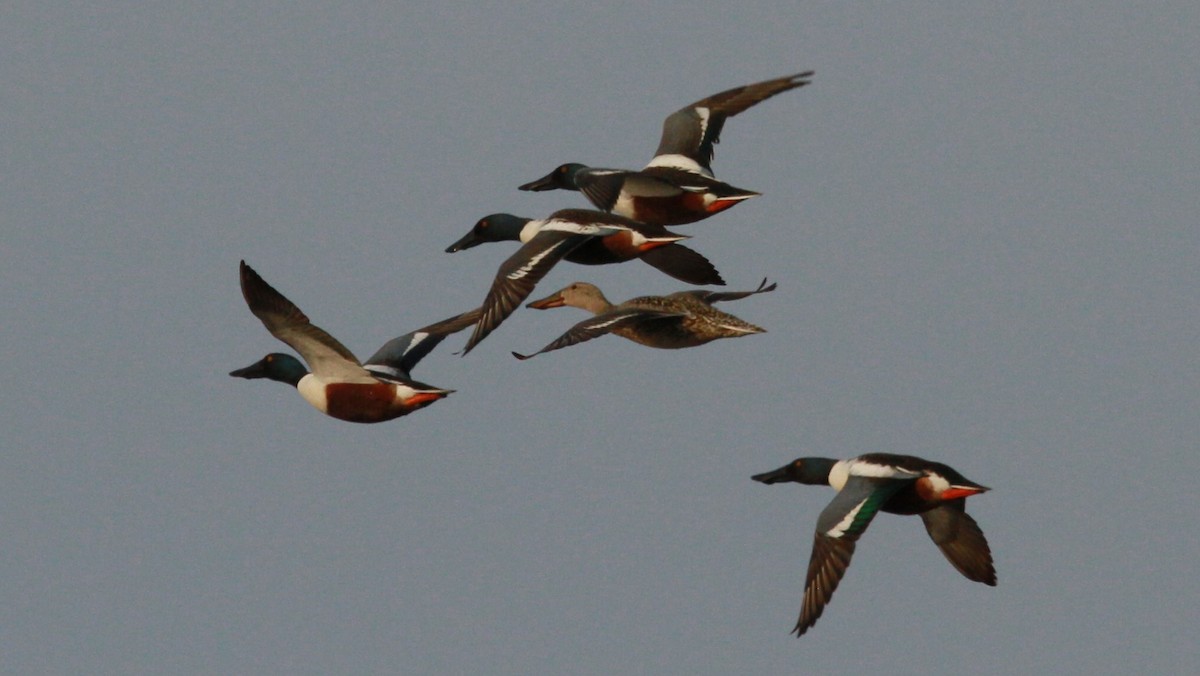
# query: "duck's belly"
677,209
912,499
596,251
353,402
664,334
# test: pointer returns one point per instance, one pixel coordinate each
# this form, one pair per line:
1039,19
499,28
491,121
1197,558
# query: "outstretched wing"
711,297
838,528
691,131
397,358
605,322
683,264
961,541
326,356
519,275
601,186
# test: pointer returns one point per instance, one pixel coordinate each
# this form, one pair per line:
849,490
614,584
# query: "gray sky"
982,220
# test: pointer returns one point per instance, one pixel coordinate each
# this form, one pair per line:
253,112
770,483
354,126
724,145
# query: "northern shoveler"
682,319
580,236
339,386
899,484
677,186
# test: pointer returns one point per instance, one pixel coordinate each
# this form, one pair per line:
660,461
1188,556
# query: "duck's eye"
562,169
482,225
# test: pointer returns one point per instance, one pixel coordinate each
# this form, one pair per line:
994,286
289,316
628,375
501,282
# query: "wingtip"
247,272
804,78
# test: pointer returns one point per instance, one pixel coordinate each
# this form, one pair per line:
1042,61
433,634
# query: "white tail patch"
738,326
405,392
729,198
938,483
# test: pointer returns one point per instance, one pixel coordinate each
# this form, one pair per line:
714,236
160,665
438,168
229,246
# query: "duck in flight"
581,236
899,484
678,185
338,385
682,319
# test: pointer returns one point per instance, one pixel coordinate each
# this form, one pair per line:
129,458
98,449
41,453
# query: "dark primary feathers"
581,236
285,321
327,356
686,132
677,186
831,555
684,264
679,320
961,541
899,484
517,277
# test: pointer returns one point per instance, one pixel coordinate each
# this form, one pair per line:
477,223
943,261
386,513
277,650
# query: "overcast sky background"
982,221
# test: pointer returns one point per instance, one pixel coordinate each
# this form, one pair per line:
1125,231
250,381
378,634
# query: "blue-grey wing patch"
397,358
838,528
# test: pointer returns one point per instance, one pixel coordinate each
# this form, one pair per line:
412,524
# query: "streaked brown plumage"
682,319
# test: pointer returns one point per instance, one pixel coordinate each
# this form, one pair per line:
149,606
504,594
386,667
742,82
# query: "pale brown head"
578,294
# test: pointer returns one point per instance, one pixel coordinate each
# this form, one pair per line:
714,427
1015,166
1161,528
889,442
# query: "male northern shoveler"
682,319
339,386
580,236
899,484
677,186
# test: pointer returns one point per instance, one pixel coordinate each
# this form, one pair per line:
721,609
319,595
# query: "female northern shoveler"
682,319
580,236
339,386
899,484
677,186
